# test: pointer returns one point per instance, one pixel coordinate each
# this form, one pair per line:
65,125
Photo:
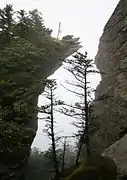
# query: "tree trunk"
53,138
63,156
86,119
85,135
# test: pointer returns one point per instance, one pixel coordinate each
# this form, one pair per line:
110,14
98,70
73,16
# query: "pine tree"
23,24
38,23
48,110
25,60
6,23
80,67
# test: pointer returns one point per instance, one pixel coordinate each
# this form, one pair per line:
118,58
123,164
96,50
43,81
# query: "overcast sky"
81,18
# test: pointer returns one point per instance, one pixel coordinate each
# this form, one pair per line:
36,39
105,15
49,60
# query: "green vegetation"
48,110
97,167
80,67
28,55
40,164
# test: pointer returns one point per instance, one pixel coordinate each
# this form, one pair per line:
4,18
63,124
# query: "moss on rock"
96,168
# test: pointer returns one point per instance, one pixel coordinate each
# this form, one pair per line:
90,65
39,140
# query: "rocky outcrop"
23,69
109,119
118,152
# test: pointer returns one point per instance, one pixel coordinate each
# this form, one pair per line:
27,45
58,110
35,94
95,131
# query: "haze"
82,18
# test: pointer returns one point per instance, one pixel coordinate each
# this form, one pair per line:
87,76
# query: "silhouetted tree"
80,67
48,109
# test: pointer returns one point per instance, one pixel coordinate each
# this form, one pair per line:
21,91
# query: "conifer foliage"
28,55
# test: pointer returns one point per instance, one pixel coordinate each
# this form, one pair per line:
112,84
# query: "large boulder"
118,152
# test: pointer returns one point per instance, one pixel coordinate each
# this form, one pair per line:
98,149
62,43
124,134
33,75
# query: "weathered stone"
118,152
109,117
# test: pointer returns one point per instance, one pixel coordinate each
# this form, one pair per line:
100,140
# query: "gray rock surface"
109,119
118,152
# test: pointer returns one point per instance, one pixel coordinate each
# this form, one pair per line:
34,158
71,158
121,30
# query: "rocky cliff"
118,152
109,120
28,55
21,82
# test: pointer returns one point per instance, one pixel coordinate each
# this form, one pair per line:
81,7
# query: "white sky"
81,18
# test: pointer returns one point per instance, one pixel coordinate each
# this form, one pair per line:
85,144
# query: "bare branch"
74,92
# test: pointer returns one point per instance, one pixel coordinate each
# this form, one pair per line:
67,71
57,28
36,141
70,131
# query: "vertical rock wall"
109,120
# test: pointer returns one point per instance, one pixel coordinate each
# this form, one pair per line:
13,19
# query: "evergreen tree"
26,58
37,20
23,24
48,109
6,23
38,23
80,67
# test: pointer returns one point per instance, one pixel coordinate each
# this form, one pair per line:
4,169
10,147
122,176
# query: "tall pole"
59,30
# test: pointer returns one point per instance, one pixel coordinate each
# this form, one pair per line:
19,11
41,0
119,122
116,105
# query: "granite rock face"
109,119
118,152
